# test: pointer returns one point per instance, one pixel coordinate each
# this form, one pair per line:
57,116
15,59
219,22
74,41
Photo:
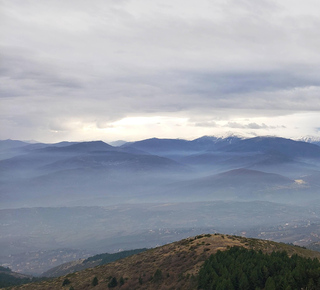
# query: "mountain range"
85,198
96,170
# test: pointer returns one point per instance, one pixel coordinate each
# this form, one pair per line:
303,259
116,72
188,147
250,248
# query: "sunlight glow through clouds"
136,128
144,127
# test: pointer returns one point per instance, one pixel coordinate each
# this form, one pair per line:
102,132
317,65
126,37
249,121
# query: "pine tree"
270,285
121,281
113,282
95,281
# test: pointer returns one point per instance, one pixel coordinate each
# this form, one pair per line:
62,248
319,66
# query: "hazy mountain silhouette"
11,144
81,170
167,146
155,145
234,184
80,147
284,146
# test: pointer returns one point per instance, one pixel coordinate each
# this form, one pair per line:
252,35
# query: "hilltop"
172,266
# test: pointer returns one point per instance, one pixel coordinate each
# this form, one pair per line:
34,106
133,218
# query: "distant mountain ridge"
86,170
11,144
236,184
205,143
285,146
310,139
91,146
154,145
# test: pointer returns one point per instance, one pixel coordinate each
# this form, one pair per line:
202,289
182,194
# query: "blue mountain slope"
284,146
80,147
10,144
95,154
243,184
180,146
241,177
114,160
155,145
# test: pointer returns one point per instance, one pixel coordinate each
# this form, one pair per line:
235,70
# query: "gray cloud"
22,74
67,62
235,125
210,124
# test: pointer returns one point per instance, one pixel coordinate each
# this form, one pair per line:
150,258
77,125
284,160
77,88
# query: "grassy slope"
79,265
179,263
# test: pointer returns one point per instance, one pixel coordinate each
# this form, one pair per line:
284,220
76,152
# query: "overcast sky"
130,70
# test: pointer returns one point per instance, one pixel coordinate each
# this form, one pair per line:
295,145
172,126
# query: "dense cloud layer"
129,69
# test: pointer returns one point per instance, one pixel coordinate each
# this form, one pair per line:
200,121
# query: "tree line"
240,268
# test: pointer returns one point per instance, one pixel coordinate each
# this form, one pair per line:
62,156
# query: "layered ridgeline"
96,173
187,265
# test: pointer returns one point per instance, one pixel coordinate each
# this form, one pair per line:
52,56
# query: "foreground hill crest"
172,266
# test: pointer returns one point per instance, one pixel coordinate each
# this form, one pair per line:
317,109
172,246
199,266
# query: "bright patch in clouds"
166,127
174,127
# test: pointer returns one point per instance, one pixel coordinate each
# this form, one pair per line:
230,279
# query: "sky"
134,69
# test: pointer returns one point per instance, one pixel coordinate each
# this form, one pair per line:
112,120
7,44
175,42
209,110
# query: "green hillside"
9,278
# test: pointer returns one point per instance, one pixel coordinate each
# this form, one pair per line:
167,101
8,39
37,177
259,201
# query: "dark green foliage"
113,282
239,268
4,269
157,277
199,237
66,282
270,285
108,258
121,281
95,281
140,280
9,278
6,279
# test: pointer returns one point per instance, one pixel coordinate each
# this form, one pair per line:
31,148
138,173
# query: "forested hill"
240,268
172,266
9,278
